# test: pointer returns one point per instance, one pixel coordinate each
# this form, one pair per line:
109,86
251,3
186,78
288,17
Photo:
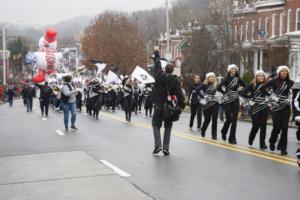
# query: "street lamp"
4,52
168,56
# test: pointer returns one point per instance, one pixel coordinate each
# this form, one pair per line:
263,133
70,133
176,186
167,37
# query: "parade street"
196,169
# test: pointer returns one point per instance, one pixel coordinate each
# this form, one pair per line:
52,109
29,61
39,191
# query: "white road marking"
115,169
59,132
44,119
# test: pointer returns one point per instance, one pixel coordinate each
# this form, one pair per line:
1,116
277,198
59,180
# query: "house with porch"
268,31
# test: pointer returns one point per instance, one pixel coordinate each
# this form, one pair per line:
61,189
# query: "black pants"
298,132
148,106
210,114
128,107
280,124
158,119
140,102
259,122
231,113
196,109
44,107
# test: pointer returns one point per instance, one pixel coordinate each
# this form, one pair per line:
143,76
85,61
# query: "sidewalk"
62,176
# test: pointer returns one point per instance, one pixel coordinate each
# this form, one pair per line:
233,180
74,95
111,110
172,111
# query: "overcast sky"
43,12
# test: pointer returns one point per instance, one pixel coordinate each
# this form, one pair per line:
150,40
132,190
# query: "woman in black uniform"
229,87
259,110
210,108
281,86
128,98
196,107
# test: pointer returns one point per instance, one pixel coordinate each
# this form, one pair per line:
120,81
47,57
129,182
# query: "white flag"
100,68
142,75
112,78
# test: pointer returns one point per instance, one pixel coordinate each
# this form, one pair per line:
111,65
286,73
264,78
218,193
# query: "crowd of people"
164,100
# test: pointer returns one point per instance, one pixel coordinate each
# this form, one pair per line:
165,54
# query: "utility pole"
168,52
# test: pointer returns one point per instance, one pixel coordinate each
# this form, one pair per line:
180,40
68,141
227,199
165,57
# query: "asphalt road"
197,168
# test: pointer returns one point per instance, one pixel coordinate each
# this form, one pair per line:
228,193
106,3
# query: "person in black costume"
95,98
196,107
148,99
210,108
128,98
259,109
79,100
45,94
135,97
229,87
166,86
281,86
141,98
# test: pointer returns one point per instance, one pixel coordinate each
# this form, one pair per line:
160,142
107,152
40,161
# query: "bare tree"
113,38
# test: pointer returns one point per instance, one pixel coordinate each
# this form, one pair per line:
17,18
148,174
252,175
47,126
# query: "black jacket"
28,92
46,92
195,94
164,84
276,83
229,86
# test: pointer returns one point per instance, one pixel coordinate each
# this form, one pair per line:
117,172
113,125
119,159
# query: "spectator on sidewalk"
10,94
1,91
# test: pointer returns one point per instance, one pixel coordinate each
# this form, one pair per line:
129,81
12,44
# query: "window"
259,26
235,32
273,25
247,27
281,25
253,30
288,23
267,26
242,32
298,19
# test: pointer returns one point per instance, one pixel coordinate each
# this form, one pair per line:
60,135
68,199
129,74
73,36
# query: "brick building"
268,31
179,42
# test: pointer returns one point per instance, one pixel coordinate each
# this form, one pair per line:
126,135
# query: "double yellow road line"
246,150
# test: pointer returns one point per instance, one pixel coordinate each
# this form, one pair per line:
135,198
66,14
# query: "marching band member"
211,108
148,99
128,98
281,86
196,107
229,86
95,98
135,96
259,110
79,100
141,97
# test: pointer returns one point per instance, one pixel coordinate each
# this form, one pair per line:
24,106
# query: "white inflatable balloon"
43,63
